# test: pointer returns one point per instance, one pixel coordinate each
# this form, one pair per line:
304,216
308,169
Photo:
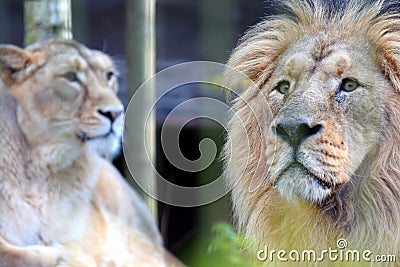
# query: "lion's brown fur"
365,212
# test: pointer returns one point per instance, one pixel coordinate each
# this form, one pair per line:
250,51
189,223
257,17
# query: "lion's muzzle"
295,131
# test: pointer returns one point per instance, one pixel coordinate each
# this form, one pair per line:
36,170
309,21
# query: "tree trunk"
141,66
47,19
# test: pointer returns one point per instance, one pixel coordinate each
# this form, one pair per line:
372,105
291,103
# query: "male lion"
322,124
61,204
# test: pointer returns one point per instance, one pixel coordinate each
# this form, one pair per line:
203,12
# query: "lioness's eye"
283,87
70,76
349,85
109,75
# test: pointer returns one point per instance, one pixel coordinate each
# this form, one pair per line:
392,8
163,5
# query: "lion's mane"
369,218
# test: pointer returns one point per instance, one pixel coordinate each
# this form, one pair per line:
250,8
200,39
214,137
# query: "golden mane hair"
368,217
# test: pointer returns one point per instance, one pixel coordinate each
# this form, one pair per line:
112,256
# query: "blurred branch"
47,18
141,66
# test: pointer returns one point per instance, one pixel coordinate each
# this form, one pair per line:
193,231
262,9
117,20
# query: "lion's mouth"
326,185
83,137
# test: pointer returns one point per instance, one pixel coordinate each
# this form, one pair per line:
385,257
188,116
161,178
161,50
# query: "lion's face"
66,94
327,106
312,153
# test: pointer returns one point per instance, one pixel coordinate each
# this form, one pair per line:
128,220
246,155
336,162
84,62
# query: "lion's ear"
391,68
12,60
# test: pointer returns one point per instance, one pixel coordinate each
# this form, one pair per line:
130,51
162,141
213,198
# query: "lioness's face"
66,93
327,107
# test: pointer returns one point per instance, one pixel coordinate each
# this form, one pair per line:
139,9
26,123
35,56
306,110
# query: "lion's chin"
296,180
107,146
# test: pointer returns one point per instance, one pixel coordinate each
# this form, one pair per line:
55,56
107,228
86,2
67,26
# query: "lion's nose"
294,133
112,115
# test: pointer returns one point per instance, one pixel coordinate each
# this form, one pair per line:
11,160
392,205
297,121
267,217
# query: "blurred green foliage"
234,249
220,246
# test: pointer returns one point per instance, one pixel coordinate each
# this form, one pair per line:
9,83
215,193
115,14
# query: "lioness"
321,168
61,204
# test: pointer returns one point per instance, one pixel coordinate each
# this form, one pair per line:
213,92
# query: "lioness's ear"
12,60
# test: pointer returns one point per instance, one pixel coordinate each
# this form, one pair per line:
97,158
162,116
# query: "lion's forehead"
303,61
75,61
100,60
69,54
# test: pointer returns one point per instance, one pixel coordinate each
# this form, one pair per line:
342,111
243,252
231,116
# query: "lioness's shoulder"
113,194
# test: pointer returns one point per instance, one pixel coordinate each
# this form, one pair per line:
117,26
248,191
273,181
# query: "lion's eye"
109,75
70,76
283,87
349,85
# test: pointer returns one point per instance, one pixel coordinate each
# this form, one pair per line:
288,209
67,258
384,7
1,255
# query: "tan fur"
358,149
61,204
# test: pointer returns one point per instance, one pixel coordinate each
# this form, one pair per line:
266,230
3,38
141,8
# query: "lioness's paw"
108,263
44,256
81,261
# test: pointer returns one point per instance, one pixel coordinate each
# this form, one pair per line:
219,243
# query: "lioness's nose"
295,132
112,115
